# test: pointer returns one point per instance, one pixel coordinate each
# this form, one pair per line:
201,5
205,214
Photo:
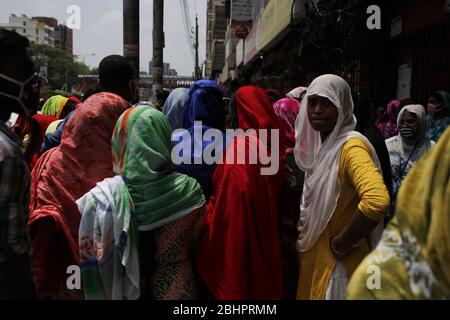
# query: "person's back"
64,174
175,247
240,254
167,210
16,69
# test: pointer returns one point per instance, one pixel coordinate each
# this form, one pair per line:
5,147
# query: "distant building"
167,71
42,30
34,30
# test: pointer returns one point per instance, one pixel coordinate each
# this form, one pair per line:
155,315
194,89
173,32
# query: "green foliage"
62,68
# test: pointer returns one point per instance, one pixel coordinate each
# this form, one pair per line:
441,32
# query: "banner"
275,19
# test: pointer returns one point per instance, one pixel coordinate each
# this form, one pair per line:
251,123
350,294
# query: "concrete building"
35,31
216,27
64,38
42,30
167,71
63,35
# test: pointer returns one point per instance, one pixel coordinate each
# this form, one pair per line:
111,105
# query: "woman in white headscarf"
344,198
408,146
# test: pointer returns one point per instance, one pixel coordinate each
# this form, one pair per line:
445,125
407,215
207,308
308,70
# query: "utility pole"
197,69
158,45
131,34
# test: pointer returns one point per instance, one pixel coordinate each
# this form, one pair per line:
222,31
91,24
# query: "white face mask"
28,96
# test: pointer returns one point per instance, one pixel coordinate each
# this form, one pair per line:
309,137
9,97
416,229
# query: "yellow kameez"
361,188
413,255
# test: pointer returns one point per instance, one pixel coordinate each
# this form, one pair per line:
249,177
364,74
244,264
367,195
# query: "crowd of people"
91,182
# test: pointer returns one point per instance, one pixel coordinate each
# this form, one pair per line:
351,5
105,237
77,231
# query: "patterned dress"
176,243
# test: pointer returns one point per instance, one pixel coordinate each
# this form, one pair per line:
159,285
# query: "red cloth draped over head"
22,126
74,99
43,122
239,257
36,128
63,175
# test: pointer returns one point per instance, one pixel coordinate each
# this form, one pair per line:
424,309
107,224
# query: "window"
24,24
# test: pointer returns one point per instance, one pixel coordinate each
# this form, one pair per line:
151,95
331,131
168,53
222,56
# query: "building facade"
290,42
216,28
42,30
35,31
167,71
63,35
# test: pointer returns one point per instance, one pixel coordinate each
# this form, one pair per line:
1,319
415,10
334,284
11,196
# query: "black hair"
12,44
115,72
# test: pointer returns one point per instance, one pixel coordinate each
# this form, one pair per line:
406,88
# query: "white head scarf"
321,161
421,115
296,93
402,149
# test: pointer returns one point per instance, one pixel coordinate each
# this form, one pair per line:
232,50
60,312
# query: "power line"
185,13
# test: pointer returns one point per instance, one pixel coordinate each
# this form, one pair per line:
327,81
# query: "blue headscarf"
175,106
205,105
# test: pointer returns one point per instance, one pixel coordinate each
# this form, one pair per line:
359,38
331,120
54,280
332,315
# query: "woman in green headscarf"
165,206
412,260
58,106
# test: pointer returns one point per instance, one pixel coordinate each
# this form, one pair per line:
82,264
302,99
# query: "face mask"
27,94
406,132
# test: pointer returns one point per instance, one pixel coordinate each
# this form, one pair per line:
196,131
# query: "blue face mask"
406,132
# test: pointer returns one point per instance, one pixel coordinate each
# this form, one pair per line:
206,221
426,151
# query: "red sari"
240,254
61,176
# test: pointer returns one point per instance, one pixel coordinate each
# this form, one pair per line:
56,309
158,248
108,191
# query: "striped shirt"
14,197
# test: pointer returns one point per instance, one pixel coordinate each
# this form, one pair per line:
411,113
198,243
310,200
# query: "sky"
102,28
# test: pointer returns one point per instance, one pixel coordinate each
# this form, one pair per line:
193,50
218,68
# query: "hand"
340,248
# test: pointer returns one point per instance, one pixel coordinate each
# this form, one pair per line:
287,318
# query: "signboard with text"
241,17
274,20
241,11
251,45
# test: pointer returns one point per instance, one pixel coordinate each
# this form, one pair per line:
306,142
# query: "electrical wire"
185,13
